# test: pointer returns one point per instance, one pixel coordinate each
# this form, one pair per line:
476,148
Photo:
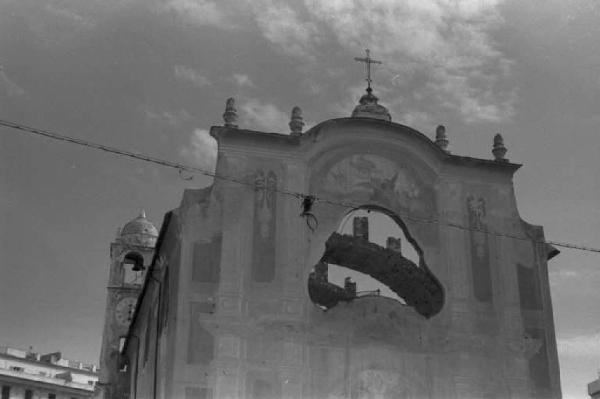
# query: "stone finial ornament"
499,150
230,115
440,138
296,122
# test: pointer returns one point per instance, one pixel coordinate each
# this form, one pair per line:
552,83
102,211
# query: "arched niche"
373,137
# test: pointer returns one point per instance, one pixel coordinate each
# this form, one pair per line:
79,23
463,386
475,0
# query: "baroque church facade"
236,301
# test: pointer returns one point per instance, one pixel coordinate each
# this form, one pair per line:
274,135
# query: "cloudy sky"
153,76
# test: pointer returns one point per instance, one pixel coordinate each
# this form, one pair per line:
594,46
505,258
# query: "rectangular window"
28,394
51,396
5,392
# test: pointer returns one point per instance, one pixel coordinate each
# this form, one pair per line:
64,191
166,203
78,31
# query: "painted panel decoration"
378,180
480,252
265,215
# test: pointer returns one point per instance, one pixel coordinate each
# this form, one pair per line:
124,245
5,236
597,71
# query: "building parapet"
47,380
54,358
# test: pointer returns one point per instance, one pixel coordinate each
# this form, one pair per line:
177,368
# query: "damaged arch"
411,281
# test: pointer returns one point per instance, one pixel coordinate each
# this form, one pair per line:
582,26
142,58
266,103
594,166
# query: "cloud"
67,15
440,50
563,274
243,80
584,345
574,275
280,24
262,116
199,12
417,119
189,74
170,118
202,150
8,86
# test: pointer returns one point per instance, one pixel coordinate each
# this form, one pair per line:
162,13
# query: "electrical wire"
302,196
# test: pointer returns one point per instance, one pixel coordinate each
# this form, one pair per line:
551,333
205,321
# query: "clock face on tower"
124,310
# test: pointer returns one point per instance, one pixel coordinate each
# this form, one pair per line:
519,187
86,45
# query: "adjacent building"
29,375
237,302
130,255
594,388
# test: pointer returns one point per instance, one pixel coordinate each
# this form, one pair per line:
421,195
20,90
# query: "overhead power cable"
302,196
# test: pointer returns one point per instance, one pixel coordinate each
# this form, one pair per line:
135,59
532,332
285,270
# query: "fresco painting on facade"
376,179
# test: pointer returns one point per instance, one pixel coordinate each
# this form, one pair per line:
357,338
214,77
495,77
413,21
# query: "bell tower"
130,256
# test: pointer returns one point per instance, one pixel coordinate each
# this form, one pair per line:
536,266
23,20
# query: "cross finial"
368,61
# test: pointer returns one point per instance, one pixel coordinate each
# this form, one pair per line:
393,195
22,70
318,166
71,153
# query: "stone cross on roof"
368,61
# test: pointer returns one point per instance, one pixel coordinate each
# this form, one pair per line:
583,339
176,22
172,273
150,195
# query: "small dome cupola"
368,108
139,231
367,105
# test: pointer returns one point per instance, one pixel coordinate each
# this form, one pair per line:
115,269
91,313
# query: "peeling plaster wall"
244,326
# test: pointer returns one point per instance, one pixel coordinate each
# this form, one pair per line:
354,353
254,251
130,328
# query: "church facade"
237,303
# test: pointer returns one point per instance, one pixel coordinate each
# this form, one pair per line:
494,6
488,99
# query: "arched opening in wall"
372,254
133,268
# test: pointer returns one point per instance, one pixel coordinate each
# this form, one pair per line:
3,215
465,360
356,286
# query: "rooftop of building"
53,359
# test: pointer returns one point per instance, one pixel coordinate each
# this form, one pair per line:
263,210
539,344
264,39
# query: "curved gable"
371,135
